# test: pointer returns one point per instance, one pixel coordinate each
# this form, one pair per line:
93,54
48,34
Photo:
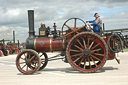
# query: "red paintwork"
48,44
43,45
17,51
1,53
10,48
13,48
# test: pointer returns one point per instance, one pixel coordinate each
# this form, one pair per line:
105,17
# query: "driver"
97,23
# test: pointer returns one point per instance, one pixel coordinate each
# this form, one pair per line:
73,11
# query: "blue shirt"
96,24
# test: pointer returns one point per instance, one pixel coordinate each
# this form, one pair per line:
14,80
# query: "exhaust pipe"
31,23
13,36
30,39
18,45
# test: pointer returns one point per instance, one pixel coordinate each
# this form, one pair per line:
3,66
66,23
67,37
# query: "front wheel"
44,60
28,61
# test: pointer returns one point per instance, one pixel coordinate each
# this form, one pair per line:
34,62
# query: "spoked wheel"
126,41
10,51
44,60
87,52
28,61
1,53
5,51
115,43
74,28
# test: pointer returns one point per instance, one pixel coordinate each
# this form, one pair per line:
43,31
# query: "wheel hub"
87,52
28,62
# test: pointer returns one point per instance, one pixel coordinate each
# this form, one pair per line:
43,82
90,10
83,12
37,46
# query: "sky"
14,16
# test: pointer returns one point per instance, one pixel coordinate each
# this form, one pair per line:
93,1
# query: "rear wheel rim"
87,52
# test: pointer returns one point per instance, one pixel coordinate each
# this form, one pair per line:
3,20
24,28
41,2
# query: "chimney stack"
31,23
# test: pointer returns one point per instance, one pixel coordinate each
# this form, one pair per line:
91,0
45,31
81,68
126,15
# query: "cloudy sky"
14,17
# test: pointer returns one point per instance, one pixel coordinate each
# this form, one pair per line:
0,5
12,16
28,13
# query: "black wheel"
44,60
5,51
115,43
126,41
28,61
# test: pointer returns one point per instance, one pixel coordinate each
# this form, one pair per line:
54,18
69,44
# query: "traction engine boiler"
43,42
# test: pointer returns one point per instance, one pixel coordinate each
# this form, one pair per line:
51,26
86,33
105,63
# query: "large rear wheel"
87,52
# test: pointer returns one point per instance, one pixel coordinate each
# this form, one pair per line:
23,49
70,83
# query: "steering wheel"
73,30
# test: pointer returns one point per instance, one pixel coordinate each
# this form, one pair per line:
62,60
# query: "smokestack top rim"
30,10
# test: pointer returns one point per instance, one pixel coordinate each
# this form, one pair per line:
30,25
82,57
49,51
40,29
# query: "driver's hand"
89,24
87,21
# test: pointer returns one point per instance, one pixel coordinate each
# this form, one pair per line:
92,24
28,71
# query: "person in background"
97,23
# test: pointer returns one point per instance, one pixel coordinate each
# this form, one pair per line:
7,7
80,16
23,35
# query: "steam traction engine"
3,48
85,51
13,47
